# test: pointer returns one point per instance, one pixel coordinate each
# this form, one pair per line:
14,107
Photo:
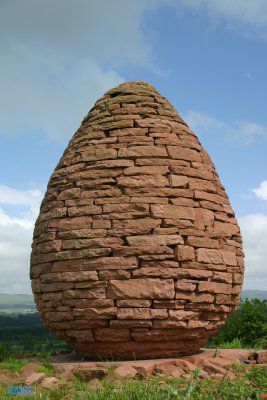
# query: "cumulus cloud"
16,236
57,57
245,132
254,232
261,191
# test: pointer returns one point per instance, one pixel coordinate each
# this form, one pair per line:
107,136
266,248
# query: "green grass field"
250,382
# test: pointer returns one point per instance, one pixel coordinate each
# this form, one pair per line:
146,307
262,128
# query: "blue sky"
208,57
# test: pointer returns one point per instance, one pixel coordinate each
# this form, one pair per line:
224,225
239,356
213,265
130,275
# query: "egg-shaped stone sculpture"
136,251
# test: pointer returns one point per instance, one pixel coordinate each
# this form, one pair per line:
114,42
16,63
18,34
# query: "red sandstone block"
140,288
195,297
69,276
142,151
97,293
134,303
107,208
159,272
98,154
112,335
209,256
95,313
222,277
124,323
54,213
182,315
101,193
150,170
223,228
193,273
83,233
84,253
170,211
56,286
69,194
182,153
202,242
73,223
179,181
192,172
203,185
149,200
214,287
143,181
157,240
184,285
210,205
141,313
114,200
183,201
197,324
88,303
83,335
135,226
160,264
95,174
229,257
138,250
184,253
114,274
47,247
84,210
169,304
58,316
91,243
129,132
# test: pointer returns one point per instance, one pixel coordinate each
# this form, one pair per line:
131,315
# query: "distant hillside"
16,303
254,294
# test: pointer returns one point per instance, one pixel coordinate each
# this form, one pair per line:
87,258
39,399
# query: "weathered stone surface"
171,211
184,253
124,371
136,251
160,240
141,313
141,289
34,378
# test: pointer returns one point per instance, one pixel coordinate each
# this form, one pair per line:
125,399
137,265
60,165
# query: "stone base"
133,350
208,359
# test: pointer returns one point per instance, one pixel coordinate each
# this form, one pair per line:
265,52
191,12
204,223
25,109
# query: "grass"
233,344
250,383
13,364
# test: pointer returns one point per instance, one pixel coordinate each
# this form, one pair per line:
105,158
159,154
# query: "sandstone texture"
136,251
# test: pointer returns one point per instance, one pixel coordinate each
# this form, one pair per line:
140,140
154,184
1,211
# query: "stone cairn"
136,251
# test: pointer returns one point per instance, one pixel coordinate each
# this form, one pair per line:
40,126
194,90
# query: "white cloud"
245,132
16,237
58,57
248,12
254,232
202,120
261,191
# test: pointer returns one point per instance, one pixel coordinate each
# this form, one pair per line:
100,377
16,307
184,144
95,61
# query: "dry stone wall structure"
136,251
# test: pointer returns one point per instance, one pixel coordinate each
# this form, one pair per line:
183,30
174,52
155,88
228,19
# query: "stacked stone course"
136,251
